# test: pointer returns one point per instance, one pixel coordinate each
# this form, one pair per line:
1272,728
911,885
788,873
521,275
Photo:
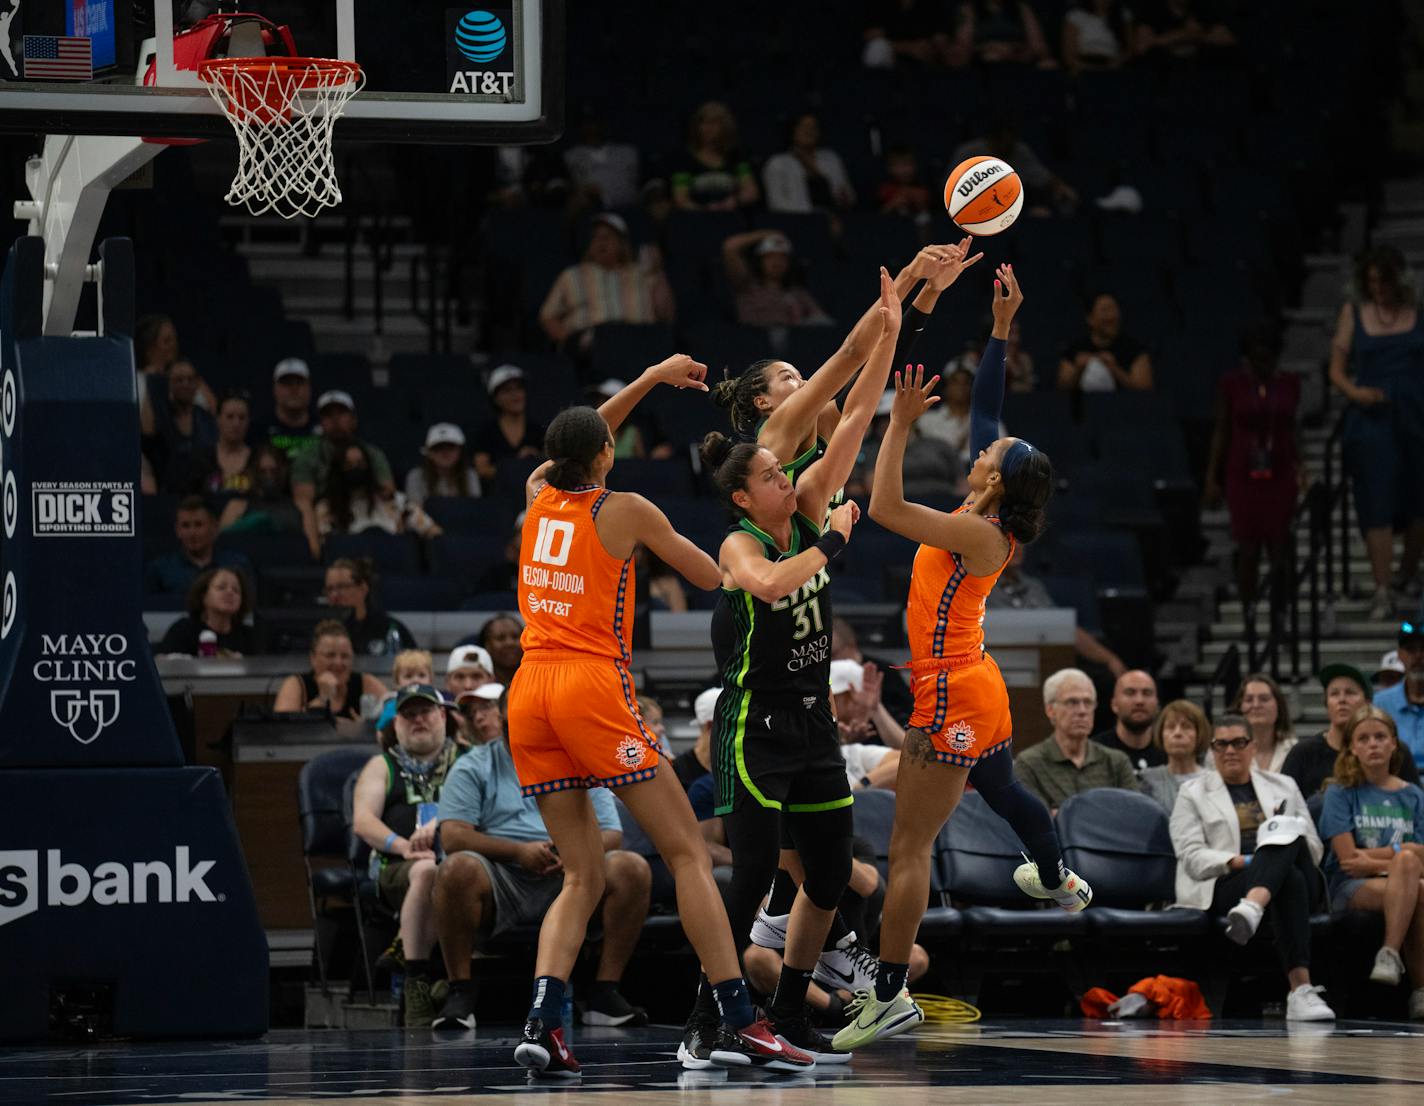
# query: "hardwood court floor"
1002,1060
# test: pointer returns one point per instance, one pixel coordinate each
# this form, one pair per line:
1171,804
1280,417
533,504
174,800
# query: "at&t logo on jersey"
547,606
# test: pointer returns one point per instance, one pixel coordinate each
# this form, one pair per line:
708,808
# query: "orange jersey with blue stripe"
575,595
945,611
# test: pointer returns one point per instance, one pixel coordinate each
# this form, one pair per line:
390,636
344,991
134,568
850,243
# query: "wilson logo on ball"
983,195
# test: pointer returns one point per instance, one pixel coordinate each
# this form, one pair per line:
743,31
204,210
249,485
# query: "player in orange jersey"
961,719
574,720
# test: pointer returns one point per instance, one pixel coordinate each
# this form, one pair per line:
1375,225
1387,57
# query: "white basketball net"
283,110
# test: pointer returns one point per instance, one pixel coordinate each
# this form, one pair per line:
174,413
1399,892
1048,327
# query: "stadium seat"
419,593
389,552
874,817
1119,842
654,479
366,902
268,550
623,350
1113,559
465,556
465,515
323,827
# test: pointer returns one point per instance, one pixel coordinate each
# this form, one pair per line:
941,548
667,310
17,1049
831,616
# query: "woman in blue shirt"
1374,822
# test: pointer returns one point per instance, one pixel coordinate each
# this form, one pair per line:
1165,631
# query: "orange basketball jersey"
575,595
945,613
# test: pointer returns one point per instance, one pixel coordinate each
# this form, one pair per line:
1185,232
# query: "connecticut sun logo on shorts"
632,752
960,736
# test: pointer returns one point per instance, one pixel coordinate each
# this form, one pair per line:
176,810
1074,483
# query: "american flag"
58,57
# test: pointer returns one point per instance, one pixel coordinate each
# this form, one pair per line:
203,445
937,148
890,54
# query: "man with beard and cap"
1312,762
1389,672
310,467
1134,705
1405,700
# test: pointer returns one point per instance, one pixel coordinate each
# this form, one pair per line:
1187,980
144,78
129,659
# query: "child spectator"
903,191
444,470
218,602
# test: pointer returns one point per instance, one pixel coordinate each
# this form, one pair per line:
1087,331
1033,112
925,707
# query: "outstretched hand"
949,262
913,397
1008,298
681,371
890,310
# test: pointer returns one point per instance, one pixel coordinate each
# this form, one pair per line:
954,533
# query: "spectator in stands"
226,469
712,174
1312,762
769,291
928,459
1097,35
1018,362
1000,32
1174,30
183,429
1254,445
610,285
479,717
891,688
500,636
293,428
948,420
807,176
197,529
916,30
468,667
1375,363
1067,762
1044,191
353,503
311,468
665,590
1389,673
1021,591
1134,706
1374,821
267,508
411,666
865,717
631,440
603,173
511,433
696,762
903,191
155,349
652,712
351,582
1183,734
501,871
1246,846
332,684
1262,703
394,811
218,602
867,765
1106,358
1405,700
444,470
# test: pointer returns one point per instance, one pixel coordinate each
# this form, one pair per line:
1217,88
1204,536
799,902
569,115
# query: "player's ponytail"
1027,480
573,441
728,462
739,394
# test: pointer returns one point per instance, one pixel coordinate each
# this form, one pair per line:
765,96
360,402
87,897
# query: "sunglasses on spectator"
1221,744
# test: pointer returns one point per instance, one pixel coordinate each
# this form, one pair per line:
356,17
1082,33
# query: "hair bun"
724,392
715,449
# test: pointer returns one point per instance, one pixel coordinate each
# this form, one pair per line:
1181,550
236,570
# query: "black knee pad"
826,879
823,841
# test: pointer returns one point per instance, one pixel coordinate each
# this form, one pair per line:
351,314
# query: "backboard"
459,71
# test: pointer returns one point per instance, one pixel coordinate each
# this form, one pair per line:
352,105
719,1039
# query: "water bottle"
393,640
207,644
566,1012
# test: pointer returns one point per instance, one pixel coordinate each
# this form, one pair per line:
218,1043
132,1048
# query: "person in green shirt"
1067,762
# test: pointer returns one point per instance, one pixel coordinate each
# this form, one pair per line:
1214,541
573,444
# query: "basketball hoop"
283,110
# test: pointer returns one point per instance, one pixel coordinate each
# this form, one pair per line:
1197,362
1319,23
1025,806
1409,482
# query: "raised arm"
986,400
679,370
627,519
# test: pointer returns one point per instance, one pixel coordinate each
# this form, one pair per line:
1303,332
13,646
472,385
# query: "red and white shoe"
757,1045
543,1051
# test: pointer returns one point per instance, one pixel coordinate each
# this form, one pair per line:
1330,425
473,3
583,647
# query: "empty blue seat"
467,515
465,556
1112,559
1157,453
653,479
398,553
419,593
623,350
268,550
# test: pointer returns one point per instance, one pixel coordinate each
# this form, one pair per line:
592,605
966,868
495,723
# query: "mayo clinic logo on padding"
109,883
480,50
81,509
85,714
85,711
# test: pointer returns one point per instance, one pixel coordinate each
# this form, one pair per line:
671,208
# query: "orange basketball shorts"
962,703
574,722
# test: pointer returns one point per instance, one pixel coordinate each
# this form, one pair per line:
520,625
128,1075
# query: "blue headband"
1014,456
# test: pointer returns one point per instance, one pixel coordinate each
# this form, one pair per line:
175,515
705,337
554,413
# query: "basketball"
983,195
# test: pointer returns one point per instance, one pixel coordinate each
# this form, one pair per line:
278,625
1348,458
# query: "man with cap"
468,667
310,468
607,286
511,433
1134,706
1405,701
867,765
1312,762
293,428
766,293
1389,672
692,765
394,811
480,719
501,871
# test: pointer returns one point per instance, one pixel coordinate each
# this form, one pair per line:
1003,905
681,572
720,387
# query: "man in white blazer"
1246,846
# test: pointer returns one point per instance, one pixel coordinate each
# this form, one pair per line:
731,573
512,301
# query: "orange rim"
313,71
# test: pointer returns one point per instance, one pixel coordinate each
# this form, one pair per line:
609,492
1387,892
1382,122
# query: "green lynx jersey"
782,647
